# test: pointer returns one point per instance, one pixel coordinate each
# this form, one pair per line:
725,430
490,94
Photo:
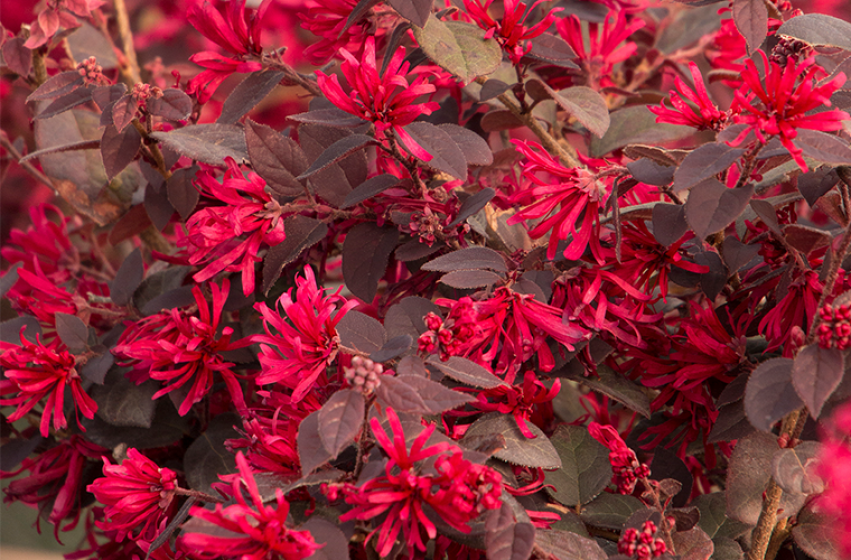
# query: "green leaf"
585,469
459,48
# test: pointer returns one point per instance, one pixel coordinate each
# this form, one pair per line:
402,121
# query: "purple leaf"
706,161
636,125
127,278
565,545
328,117
415,11
666,464
765,211
360,332
446,155
172,526
815,532
816,183
795,469
60,84
468,279
123,403
337,151
806,239
181,192
818,29
519,450
372,187
475,149
67,102
648,171
816,373
470,258
340,420
585,469
157,206
18,58
72,331
9,278
124,111
302,232
96,368
751,19
473,204
245,96
500,119
105,96
276,158
119,149
75,146
208,143
506,538
669,223
335,544
358,12
366,253
406,317
336,181
15,451
393,348
770,395
459,48
711,206
436,397
395,393
693,544
824,147
714,280
585,105
207,457
174,105
311,450
736,254
492,88
466,371
551,49
617,387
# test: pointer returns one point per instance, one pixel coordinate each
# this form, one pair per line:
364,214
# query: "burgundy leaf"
276,158
395,393
585,105
335,544
714,280
751,19
468,279
815,533
475,149
736,254
411,365
105,96
415,11
17,57
340,420
500,119
366,253
669,223
818,29
816,183
446,155
182,194
806,239
397,37
66,102
245,96
615,386
566,545
693,544
706,161
393,348
208,143
157,206
60,84
816,373
372,187
711,206
82,145
458,47
585,470
127,278
492,88
666,464
174,105
770,395
337,151
553,50
824,147
506,538
124,403
328,117
172,526
795,469
360,332
648,171
311,450
473,204
337,180
9,278
119,149
765,211
415,250
636,125
470,258
302,232
15,451
72,331
466,371
96,368
406,317
537,452
357,13
748,476
207,457
124,111
436,397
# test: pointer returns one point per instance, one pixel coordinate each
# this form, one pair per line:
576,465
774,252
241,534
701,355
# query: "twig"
126,36
766,523
28,167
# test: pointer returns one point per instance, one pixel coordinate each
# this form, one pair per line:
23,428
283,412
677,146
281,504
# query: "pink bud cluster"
425,225
627,470
92,72
789,48
835,328
142,92
364,375
642,544
449,335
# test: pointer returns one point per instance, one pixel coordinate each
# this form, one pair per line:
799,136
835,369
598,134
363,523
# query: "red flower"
458,492
215,232
55,481
518,401
252,530
34,371
178,347
784,103
298,354
624,462
137,494
329,19
387,100
707,115
511,30
834,467
235,32
560,199
604,44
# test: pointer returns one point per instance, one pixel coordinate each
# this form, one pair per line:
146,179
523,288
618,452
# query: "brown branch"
131,68
767,520
26,165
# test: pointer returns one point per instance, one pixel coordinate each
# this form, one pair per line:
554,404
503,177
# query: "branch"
131,67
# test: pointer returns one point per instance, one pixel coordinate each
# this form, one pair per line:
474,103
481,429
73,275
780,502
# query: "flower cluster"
512,30
643,544
627,469
364,374
834,331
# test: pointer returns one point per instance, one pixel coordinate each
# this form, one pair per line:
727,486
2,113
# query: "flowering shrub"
500,280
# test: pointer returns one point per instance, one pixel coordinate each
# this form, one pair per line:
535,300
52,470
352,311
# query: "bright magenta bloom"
458,492
511,31
835,469
34,371
518,401
627,469
563,198
386,100
783,101
707,115
136,493
178,347
229,237
297,355
235,32
251,529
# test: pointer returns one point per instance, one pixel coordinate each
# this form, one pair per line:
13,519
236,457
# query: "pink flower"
387,100
834,468
301,349
560,198
34,371
236,32
138,495
458,492
624,462
512,29
178,347
706,116
229,238
784,102
604,45
328,20
251,529
55,481
518,401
